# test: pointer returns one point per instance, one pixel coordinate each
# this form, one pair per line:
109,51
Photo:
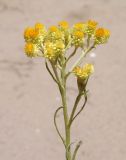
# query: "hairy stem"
61,78
65,112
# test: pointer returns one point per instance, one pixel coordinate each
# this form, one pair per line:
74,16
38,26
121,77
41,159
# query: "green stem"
62,88
88,41
65,112
61,82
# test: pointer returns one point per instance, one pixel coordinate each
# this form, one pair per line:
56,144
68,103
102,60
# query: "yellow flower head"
55,34
92,24
77,38
64,24
91,27
39,26
100,32
30,33
84,72
31,50
35,34
41,30
78,34
101,35
53,49
53,29
79,27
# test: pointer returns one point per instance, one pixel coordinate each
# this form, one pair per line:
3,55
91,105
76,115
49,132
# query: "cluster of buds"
69,36
52,43
35,34
34,37
84,72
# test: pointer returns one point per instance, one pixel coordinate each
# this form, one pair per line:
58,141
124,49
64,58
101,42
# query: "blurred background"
29,97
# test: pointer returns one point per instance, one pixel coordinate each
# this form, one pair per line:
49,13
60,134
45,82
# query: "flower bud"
31,50
78,38
101,35
83,74
91,27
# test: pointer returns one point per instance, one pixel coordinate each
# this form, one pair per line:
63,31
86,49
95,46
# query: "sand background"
28,96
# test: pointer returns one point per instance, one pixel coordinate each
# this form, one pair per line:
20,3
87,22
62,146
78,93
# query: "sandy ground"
28,96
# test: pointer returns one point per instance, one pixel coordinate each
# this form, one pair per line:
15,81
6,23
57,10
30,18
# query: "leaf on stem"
76,149
55,123
81,108
47,67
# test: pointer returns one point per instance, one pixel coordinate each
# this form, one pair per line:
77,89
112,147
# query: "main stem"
65,113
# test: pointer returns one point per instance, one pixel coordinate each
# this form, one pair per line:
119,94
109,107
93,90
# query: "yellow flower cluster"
60,32
47,41
35,34
88,27
101,35
64,25
84,72
56,41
